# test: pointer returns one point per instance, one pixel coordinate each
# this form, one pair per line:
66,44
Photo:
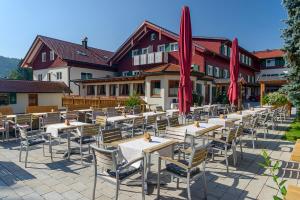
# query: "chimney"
84,42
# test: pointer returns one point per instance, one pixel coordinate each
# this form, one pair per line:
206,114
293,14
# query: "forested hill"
7,64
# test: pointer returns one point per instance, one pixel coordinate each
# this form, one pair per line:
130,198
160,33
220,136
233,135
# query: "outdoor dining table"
58,129
225,122
137,147
120,118
170,112
152,113
254,111
196,131
241,116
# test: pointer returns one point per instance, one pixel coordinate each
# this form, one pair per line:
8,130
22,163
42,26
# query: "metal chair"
138,124
250,123
109,136
224,144
33,138
161,126
96,112
88,134
102,121
187,170
110,112
136,110
173,121
113,171
50,118
151,123
23,121
71,115
159,108
3,127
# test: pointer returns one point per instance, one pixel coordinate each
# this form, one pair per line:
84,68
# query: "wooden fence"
96,102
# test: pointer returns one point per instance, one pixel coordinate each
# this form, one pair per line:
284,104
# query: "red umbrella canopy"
185,60
234,73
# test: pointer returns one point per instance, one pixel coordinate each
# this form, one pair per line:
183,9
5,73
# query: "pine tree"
291,36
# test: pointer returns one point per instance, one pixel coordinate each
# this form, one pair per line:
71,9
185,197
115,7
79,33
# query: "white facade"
75,73
44,99
273,72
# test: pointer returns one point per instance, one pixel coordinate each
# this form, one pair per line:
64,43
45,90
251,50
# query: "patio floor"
70,180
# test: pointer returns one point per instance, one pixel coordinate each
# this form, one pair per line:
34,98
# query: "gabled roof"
68,51
211,38
274,53
168,68
24,86
141,31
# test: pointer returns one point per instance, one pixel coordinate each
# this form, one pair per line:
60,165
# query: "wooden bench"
78,107
41,109
6,110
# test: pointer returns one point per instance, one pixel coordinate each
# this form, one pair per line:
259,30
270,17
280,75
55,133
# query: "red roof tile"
76,52
170,67
269,53
24,86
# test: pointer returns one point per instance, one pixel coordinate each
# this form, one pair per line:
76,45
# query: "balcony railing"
150,58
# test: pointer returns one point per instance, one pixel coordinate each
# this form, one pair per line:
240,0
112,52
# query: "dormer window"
174,46
51,55
81,53
44,57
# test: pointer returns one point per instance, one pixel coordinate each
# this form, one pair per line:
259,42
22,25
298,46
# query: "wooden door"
33,100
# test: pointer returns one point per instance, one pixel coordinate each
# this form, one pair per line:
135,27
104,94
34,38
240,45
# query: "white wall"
44,99
272,71
75,73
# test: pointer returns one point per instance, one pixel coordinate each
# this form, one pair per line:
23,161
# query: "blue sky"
107,23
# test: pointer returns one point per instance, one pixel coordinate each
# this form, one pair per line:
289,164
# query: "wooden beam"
262,91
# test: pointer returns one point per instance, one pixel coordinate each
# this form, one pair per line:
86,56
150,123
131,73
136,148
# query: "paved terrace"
70,180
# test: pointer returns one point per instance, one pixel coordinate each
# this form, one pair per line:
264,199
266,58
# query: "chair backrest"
111,135
138,122
198,155
101,120
175,134
110,111
127,109
23,119
89,130
161,124
52,118
159,108
173,121
239,130
97,112
137,110
151,119
72,115
23,132
230,136
104,158
175,114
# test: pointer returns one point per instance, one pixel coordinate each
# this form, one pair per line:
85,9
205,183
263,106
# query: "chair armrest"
216,139
131,162
171,160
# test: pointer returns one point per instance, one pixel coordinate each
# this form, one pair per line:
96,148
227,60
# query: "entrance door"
207,94
33,100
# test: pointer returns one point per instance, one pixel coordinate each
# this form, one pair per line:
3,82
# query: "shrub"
133,100
275,99
197,98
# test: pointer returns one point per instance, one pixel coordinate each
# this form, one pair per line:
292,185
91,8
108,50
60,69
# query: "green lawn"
293,133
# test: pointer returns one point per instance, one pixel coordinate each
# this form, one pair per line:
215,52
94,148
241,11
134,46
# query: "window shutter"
228,51
199,88
222,49
221,73
206,69
215,72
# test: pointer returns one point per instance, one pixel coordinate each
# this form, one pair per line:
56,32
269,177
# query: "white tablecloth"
134,149
170,111
54,128
218,121
254,111
120,118
158,113
191,129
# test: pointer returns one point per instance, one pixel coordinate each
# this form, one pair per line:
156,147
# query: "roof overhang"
110,79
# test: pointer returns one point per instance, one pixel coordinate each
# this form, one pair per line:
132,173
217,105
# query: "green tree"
20,74
291,36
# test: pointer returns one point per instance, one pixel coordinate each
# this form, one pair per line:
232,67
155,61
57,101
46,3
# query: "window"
51,55
174,46
173,88
243,58
209,70
125,73
225,73
144,50
250,61
152,36
155,88
44,57
139,89
136,73
199,88
123,89
112,90
85,76
101,90
248,79
58,75
270,62
90,90
228,51
12,98
8,98
216,72
135,52
225,49
48,76
40,77
161,47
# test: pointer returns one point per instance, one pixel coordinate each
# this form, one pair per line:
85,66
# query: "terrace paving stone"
64,179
